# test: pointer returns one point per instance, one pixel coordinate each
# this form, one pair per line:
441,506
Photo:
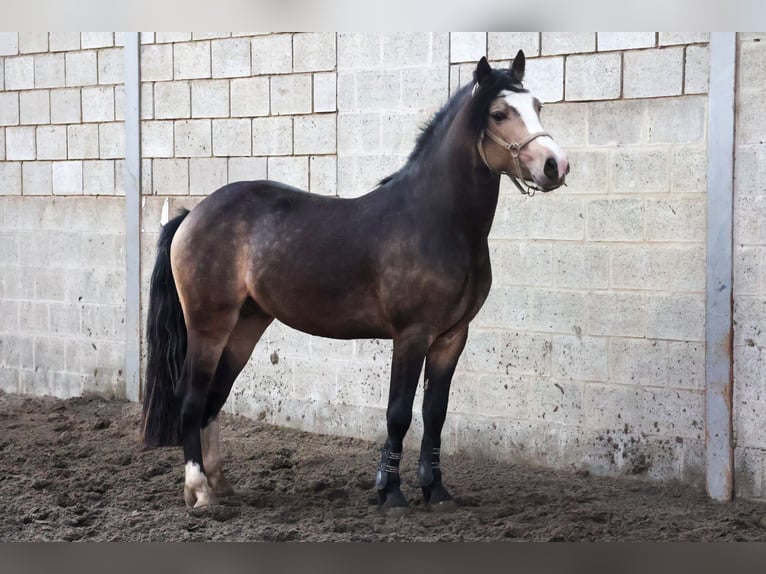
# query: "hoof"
197,491
197,499
221,487
438,499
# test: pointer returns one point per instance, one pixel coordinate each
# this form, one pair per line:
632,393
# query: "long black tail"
166,347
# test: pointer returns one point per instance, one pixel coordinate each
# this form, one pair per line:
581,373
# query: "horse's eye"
498,116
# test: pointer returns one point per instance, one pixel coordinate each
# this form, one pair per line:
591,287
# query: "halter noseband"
514,149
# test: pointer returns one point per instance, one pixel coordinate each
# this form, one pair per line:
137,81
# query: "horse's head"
512,140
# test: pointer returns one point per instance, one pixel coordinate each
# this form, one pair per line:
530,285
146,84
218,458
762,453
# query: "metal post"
132,216
719,451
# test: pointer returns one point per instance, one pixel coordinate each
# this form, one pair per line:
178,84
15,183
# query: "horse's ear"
517,67
483,70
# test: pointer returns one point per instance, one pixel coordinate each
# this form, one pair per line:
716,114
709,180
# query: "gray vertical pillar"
719,451
132,216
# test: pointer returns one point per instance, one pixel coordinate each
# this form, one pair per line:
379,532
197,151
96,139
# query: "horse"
408,261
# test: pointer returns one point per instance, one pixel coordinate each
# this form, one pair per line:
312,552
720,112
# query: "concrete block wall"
62,262
750,268
590,350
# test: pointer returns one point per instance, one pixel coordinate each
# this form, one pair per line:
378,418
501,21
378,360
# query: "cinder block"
272,54
749,268
290,170
751,120
34,107
172,100
424,89
272,136
98,104
556,217
191,60
590,173
210,98
156,62
505,308
63,41
49,70
9,43
559,403
567,42
193,138
166,37
9,109
617,123
19,73
81,68
291,94
640,171
522,263
642,362
467,46
358,175
504,45
51,142
323,175
314,52
653,73
325,92
170,176
98,177
315,134
558,311
359,50
230,58
232,137
2,144
111,66
545,78
31,42
616,314
37,178
359,133
82,141
374,91
64,319
250,97
67,178
111,140
677,120
659,268
625,40
686,365
580,359
207,174
673,38
209,35
611,407
96,40
247,168
674,413
749,317
698,70
567,122
615,220
406,49
677,316
157,139
520,354
676,219
592,77
65,106
688,170
20,143
580,266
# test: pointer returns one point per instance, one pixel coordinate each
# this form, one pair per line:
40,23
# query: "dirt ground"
74,470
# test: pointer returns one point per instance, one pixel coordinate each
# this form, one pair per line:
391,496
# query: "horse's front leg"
441,361
406,364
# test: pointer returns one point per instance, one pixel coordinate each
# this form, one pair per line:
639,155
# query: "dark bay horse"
408,261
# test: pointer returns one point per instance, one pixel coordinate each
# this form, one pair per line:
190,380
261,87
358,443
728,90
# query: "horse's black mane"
498,80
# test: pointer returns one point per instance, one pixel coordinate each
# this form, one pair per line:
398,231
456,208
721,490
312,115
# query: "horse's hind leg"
204,350
441,361
234,357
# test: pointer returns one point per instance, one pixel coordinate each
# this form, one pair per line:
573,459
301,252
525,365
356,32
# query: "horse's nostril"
551,168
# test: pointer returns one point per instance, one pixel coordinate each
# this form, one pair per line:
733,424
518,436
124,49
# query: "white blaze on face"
523,103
